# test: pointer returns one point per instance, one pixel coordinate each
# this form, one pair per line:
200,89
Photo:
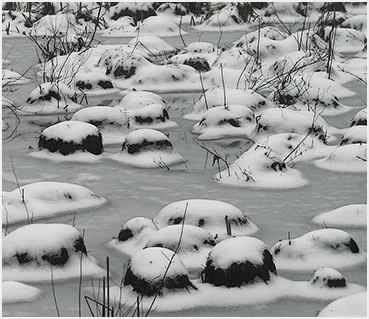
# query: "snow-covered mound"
280,120
230,121
215,97
136,10
148,148
12,77
260,167
112,122
50,98
350,306
151,44
94,83
357,22
237,261
131,237
156,271
360,118
355,67
191,243
153,116
270,32
328,277
38,251
346,158
123,26
210,215
235,58
161,26
292,147
354,215
138,99
355,135
14,23
319,248
13,292
45,199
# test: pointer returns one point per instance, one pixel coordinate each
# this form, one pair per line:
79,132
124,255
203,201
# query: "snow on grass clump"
320,248
235,58
148,148
151,44
360,118
269,32
94,83
355,135
357,22
44,199
161,26
12,77
354,215
31,252
14,23
112,122
155,271
13,292
280,120
193,243
123,26
293,147
131,237
346,158
230,121
237,261
138,99
211,215
350,306
215,97
260,167
136,10
50,98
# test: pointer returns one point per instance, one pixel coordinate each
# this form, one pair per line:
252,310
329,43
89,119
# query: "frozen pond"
135,192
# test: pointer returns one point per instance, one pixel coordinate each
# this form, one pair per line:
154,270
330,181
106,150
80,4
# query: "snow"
323,276
37,240
355,135
12,77
235,58
45,199
267,32
93,83
138,99
148,148
13,292
350,306
153,263
260,167
76,157
357,22
207,214
360,118
112,122
161,26
151,44
230,121
319,248
347,41
237,250
346,158
354,215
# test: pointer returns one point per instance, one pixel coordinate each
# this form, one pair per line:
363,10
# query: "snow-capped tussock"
148,148
44,199
346,158
320,248
328,277
215,97
138,99
92,81
350,306
12,77
151,116
201,47
135,10
126,65
50,98
235,58
207,214
13,292
270,32
162,26
260,167
151,44
360,118
237,261
152,270
232,120
355,135
357,22
354,215
71,136
347,41
112,122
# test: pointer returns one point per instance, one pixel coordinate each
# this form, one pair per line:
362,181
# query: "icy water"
135,192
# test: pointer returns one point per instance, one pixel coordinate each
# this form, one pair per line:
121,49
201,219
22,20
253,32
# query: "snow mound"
50,98
355,135
13,292
357,22
131,237
151,44
112,122
237,261
320,248
93,83
148,148
260,167
12,77
354,215
346,158
350,306
347,41
328,277
215,97
138,99
360,118
269,32
235,58
207,214
45,199
153,270
161,26
230,121
31,252
194,243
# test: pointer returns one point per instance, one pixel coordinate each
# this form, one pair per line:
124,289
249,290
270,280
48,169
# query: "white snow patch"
13,292
354,305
